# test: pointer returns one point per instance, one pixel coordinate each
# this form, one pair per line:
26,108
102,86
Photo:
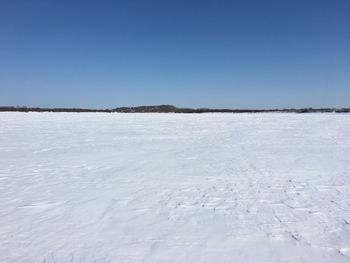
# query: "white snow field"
99,187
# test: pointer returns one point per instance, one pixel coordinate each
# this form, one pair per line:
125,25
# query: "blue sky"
222,54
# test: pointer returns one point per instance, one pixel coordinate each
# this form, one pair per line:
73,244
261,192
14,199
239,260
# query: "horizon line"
165,108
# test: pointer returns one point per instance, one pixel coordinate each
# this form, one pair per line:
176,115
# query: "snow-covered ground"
97,187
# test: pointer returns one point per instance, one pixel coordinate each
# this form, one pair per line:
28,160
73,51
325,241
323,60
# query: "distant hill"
160,108
170,109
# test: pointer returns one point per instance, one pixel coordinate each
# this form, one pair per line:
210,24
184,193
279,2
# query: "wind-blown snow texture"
174,188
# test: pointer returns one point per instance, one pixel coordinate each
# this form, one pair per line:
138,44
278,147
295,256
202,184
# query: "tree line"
169,109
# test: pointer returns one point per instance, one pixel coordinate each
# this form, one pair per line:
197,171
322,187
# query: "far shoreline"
171,109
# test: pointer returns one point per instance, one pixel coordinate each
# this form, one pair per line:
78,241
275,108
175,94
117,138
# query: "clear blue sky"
223,54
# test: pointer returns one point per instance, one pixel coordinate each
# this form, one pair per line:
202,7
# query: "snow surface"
99,187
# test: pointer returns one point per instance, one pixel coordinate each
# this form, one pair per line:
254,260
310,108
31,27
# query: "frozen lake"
99,187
